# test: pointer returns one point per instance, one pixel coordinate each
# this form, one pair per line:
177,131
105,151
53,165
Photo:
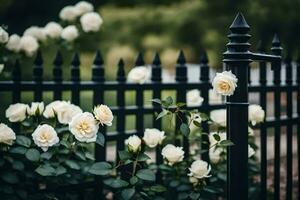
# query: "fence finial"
76,60
181,58
156,68
139,60
156,60
121,72
239,22
98,59
204,58
98,69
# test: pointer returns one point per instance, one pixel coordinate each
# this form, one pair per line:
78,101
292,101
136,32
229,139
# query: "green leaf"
163,113
156,101
23,141
179,104
45,170
72,164
226,143
60,170
158,188
46,155
168,101
184,129
10,177
33,155
133,180
65,143
100,139
143,157
27,122
204,117
100,168
18,150
217,137
128,193
62,129
124,155
116,183
90,156
196,123
18,165
194,195
80,155
146,174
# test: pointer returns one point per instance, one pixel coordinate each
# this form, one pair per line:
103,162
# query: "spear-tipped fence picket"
237,58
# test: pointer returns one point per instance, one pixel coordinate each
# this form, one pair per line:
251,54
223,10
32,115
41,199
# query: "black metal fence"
237,58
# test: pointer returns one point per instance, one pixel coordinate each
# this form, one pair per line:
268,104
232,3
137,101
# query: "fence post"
237,59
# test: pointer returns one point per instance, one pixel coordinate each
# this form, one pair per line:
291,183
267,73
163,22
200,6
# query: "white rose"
199,169
213,141
215,155
83,7
251,151
172,154
35,106
69,13
36,32
65,112
91,22
214,98
153,137
133,143
52,108
219,117
225,83
193,98
3,36
7,135
84,127
1,68
69,33
13,43
103,114
256,114
16,112
53,30
139,74
29,45
45,136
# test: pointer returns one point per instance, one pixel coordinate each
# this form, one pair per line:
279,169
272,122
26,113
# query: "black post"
237,59
204,78
75,78
276,67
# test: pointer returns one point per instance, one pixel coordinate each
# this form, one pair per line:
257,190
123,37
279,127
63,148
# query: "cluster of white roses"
83,125
256,115
216,151
83,11
172,154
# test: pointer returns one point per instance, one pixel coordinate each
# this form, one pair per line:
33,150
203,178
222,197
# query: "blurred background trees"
165,25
